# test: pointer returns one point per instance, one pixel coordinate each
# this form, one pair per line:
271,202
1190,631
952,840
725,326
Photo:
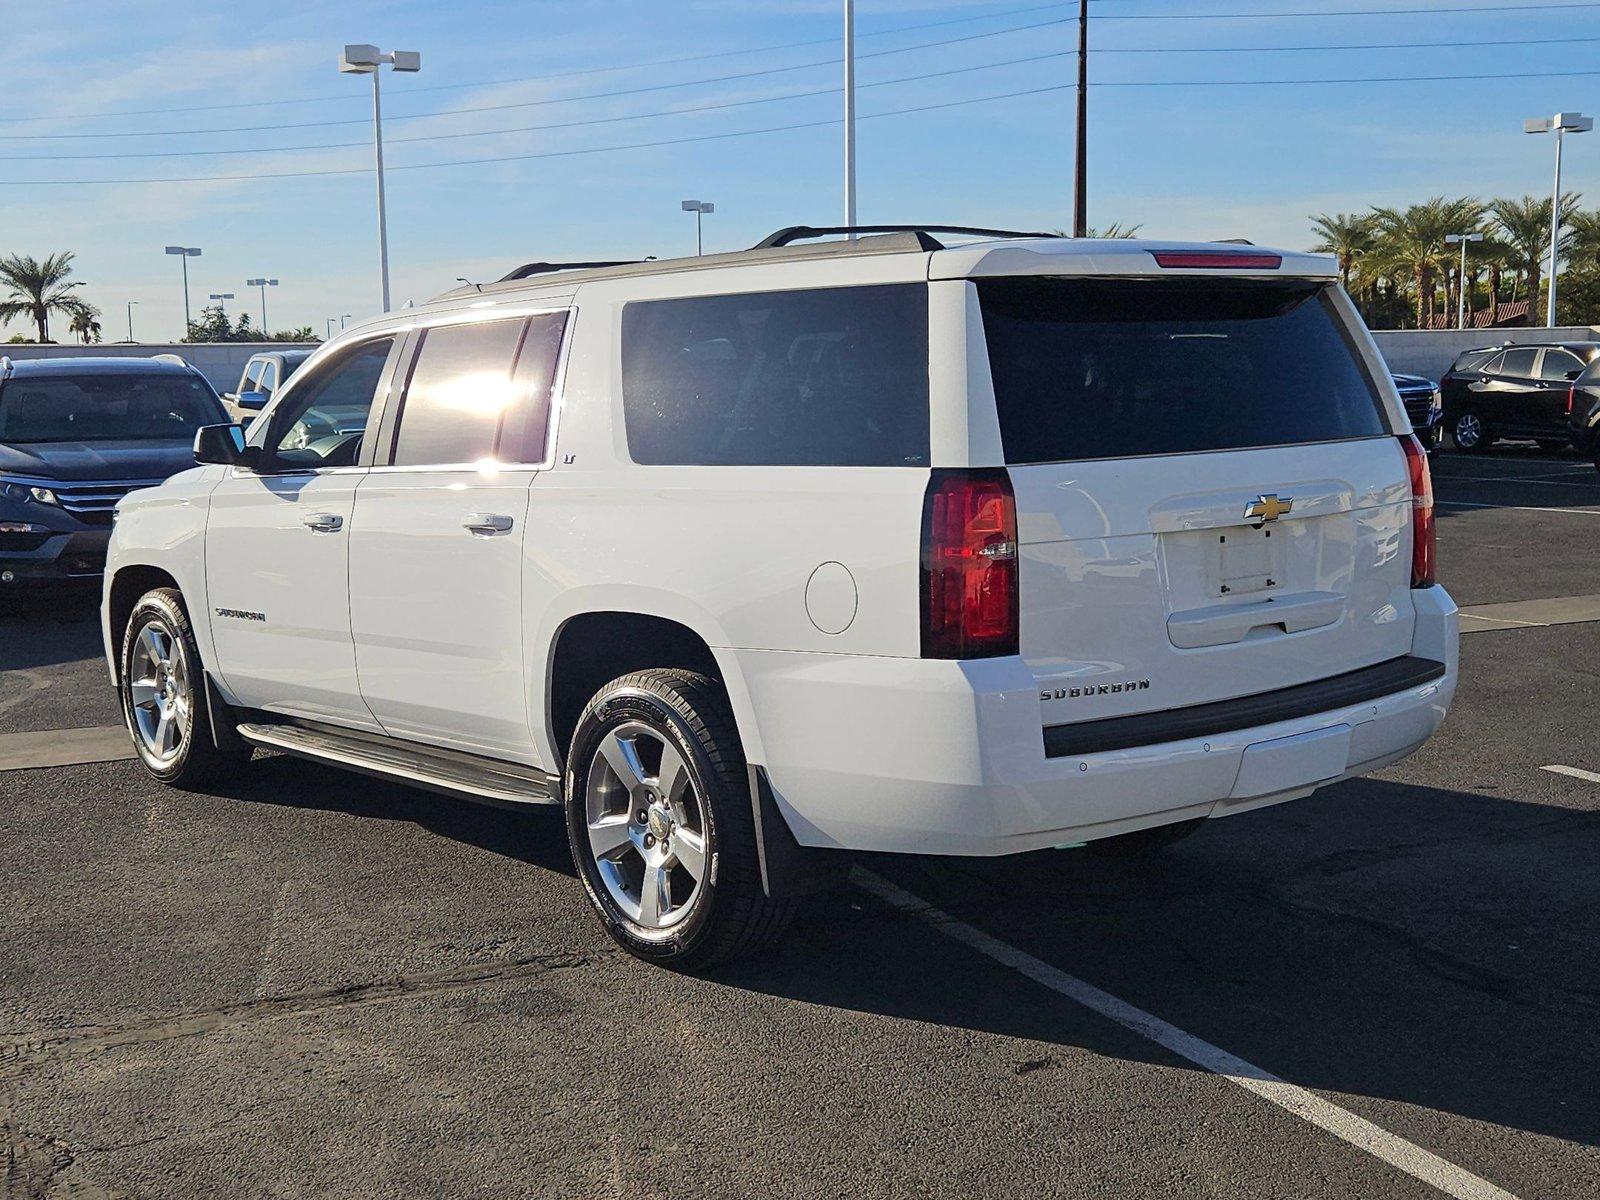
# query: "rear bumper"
62,556
925,757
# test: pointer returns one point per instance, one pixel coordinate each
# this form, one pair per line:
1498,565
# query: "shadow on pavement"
1402,943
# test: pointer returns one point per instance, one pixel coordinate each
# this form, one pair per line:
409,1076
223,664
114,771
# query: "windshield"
106,408
1112,368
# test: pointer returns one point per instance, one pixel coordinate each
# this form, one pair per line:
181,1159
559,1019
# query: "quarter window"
830,377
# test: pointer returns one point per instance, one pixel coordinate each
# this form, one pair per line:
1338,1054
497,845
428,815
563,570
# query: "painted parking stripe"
64,747
1574,772
1308,1106
1531,614
1587,512
1594,483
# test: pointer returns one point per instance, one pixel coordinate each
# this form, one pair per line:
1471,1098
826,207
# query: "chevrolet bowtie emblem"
1268,508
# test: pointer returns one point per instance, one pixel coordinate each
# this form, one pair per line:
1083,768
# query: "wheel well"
126,587
592,649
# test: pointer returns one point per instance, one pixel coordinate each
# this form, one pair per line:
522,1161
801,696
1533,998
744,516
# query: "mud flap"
787,867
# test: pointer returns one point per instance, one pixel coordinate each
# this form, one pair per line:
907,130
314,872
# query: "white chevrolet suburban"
880,543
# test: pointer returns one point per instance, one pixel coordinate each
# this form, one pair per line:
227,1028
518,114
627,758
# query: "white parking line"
1575,772
1308,1106
1587,512
1594,483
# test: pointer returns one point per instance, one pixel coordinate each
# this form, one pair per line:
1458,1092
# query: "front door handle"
323,522
486,524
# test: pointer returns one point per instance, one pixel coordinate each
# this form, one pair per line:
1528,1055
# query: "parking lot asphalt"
316,984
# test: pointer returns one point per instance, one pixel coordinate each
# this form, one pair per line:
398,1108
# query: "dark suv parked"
78,434
1421,399
1513,391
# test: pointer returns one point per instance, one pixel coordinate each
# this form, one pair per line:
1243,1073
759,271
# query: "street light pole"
1450,239
1080,181
365,60
699,208
131,303
263,284
850,113
222,299
186,253
330,330
1560,124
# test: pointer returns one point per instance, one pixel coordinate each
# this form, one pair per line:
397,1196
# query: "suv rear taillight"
1572,398
969,564
1422,536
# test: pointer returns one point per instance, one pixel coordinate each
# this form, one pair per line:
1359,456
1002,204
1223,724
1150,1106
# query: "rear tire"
1470,434
659,821
1143,841
166,702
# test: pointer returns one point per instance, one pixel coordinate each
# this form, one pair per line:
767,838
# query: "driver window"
325,418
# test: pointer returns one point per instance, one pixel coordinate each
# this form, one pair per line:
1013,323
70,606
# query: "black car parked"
1421,399
1583,412
1513,391
78,434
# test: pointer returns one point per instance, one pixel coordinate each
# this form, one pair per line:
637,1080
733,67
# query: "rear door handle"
323,522
486,524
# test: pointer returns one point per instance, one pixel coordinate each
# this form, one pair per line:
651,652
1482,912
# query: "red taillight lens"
1422,538
1572,398
969,565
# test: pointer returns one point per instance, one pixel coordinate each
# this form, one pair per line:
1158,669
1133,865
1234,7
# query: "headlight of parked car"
13,489
1436,401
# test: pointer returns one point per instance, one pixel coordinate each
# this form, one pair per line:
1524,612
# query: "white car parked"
875,544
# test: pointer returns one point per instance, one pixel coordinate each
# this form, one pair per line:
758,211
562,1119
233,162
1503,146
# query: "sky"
102,93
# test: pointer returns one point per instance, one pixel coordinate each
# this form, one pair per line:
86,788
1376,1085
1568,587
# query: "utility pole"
850,112
1080,184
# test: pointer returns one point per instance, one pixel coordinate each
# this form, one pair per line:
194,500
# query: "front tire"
165,701
1470,433
660,825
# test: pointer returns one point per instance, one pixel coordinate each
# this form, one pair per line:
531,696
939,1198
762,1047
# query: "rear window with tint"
831,377
1101,368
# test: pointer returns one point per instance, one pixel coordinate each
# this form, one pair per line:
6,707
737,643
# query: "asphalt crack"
21,1055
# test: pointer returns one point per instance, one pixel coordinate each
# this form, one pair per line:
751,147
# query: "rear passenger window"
1517,363
831,377
1560,364
479,391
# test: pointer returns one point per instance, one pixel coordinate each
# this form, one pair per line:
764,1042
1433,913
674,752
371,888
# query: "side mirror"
222,445
254,401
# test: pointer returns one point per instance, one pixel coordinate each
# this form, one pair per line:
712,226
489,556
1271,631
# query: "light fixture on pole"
222,298
1560,124
263,284
131,303
699,208
330,329
1450,239
343,317
366,60
850,113
187,252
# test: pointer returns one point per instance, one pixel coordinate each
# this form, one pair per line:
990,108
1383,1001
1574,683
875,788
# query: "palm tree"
38,288
1411,242
1346,236
1524,225
1585,245
86,323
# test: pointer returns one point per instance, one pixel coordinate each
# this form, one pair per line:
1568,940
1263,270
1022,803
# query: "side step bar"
446,771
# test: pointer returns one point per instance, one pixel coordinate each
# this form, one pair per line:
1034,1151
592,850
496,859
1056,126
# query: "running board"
445,771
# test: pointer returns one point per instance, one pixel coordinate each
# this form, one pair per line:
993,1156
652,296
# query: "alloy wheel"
646,825
1468,431
161,698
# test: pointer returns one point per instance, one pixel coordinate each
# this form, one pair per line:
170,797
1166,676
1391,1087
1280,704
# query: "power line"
713,137
444,137
733,104
1561,41
652,62
1337,12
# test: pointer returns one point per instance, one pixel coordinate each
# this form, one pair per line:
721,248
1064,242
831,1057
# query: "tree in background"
1346,236
1411,242
86,324
1524,226
214,325
36,288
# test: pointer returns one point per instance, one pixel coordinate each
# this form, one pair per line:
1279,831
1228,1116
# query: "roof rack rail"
547,268
795,233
